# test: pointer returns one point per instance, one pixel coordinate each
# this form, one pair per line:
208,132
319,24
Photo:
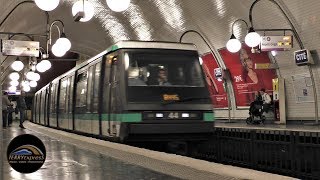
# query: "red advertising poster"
247,80
217,92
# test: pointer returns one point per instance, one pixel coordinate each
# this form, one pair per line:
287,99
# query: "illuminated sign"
302,57
20,48
276,43
171,97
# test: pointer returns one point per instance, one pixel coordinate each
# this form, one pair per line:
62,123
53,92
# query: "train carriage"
132,91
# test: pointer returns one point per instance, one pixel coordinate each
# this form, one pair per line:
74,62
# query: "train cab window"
163,69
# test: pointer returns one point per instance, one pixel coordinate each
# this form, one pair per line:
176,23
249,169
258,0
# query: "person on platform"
21,105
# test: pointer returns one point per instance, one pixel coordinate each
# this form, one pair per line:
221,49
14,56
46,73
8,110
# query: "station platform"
71,156
239,124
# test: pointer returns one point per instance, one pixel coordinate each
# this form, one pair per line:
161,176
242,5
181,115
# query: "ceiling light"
17,65
58,52
33,84
12,89
14,76
26,88
47,5
88,10
64,43
252,39
118,5
233,45
14,83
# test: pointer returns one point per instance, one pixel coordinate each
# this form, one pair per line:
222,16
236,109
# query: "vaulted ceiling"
162,20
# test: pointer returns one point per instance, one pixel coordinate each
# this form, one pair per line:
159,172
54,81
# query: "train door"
114,96
47,108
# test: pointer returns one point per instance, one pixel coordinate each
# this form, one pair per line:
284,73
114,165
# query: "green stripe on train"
208,117
129,117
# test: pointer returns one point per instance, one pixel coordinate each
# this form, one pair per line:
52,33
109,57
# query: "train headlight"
159,115
185,115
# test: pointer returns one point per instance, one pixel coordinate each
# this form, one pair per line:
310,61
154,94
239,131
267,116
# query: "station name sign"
276,43
302,57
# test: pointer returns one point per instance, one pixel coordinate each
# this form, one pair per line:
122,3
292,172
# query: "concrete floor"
67,161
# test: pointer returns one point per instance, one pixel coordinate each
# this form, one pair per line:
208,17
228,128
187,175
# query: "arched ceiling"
163,20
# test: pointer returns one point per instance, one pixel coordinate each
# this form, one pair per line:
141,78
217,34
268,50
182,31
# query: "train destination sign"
276,43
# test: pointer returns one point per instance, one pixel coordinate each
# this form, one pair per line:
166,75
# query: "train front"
166,95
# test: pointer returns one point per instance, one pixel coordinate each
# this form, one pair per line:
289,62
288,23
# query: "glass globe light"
233,45
25,83
12,89
17,65
30,75
26,88
14,76
47,64
41,67
57,51
14,83
118,5
36,77
63,43
274,53
47,5
252,39
33,83
88,10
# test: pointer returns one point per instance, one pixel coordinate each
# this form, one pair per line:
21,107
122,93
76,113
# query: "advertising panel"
217,92
247,80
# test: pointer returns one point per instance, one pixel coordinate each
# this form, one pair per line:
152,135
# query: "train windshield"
164,69
152,73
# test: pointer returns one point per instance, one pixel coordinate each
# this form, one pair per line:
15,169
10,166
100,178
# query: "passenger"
266,100
162,78
5,104
21,105
133,77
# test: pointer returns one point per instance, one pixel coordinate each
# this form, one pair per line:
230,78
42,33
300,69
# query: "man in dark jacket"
21,105
5,104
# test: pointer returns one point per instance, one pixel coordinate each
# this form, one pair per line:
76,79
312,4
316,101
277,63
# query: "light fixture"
47,5
83,6
33,83
233,45
43,66
26,88
62,45
118,5
25,83
252,39
12,89
57,51
36,77
14,83
14,76
274,53
17,65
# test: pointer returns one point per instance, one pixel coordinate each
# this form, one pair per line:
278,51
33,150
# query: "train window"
96,87
53,98
63,95
89,89
81,94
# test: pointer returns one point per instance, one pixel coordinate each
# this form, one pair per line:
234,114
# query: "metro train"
118,95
